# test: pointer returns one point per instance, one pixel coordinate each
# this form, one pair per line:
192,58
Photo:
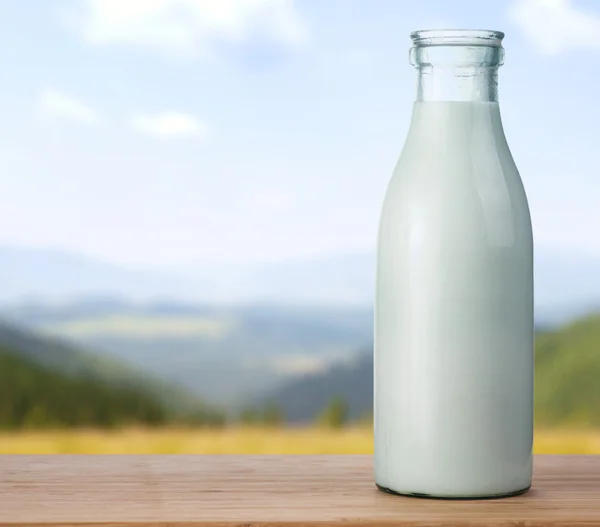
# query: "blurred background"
189,199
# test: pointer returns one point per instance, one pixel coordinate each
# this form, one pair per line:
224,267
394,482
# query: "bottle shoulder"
460,196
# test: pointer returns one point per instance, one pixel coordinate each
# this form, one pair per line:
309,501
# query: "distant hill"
567,381
58,354
568,374
303,399
224,355
52,274
64,358
32,395
567,284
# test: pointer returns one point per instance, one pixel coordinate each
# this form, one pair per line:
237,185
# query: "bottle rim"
457,37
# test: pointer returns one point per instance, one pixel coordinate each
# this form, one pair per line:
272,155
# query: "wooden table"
121,491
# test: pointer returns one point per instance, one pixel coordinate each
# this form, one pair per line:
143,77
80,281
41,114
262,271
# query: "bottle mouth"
457,37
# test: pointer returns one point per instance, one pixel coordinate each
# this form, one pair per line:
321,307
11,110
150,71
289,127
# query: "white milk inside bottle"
454,302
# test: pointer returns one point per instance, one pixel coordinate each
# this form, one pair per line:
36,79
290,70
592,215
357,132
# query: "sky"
171,132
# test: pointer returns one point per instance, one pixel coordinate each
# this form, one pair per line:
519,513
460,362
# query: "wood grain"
269,491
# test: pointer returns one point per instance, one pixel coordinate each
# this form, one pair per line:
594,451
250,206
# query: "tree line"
33,396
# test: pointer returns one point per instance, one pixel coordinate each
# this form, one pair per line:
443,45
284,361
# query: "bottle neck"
465,83
467,73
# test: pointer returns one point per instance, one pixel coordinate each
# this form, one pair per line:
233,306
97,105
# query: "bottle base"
455,498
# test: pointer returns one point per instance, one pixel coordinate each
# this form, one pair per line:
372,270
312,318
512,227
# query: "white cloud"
189,27
555,26
53,106
170,125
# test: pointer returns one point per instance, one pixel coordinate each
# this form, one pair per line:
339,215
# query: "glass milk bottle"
454,304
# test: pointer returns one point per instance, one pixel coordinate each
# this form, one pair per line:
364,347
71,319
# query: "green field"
240,440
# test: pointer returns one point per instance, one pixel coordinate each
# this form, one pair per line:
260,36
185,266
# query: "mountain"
567,283
222,354
34,396
54,353
303,398
567,382
65,358
225,355
52,275
230,333
568,374
49,274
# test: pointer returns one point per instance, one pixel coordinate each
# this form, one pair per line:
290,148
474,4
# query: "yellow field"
244,441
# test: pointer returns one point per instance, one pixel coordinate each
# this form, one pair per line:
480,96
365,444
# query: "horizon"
567,284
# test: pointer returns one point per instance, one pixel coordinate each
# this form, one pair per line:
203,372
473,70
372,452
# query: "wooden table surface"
121,491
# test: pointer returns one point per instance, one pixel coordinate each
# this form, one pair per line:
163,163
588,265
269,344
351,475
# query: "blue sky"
170,132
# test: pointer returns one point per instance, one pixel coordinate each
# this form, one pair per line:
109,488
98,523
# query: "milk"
454,311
